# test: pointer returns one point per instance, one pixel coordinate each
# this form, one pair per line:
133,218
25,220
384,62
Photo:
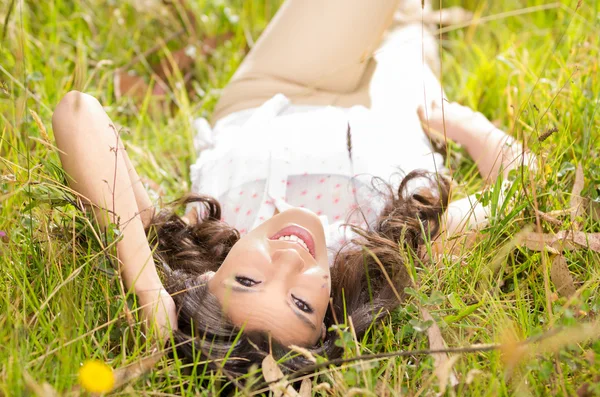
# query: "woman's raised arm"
100,172
492,149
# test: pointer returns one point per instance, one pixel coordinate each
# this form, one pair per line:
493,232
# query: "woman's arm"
144,205
491,148
95,160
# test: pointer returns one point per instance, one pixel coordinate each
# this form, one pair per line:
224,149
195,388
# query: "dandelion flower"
96,377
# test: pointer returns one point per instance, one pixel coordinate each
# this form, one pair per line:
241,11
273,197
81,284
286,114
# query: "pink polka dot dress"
280,156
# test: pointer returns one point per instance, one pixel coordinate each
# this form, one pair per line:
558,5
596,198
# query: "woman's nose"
288,259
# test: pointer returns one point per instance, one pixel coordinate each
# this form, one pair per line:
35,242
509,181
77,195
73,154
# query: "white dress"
281,155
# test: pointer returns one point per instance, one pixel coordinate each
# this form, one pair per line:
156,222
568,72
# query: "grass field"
528,70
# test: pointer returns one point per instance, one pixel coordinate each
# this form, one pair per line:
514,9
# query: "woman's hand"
159,311
456,122
491,148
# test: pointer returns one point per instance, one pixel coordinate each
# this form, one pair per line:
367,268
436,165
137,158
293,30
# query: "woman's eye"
245,281
305,307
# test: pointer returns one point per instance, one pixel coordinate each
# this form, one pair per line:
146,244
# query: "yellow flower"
96,377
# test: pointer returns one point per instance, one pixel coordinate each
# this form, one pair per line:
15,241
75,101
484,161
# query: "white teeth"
295,239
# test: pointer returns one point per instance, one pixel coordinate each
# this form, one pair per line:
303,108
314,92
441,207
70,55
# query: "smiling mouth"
299,235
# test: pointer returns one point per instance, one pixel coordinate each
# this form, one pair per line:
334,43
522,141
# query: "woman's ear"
323,332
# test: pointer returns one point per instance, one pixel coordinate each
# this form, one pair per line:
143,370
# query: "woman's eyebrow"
302,317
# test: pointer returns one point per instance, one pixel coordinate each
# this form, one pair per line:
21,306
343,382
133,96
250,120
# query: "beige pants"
337,52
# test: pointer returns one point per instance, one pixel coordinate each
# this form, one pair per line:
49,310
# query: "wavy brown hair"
359,286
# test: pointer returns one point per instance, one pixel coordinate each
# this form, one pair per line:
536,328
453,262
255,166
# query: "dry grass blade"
304,352
564,240
561,276
424,14
442,363
30,94
448,16
383,382
547,134
133,371
40,390
472,374
309,371
499,16
356,391
40,125
305,388
70,278
272,373
445,374
594,210
514,352
571,336
576,202
549,218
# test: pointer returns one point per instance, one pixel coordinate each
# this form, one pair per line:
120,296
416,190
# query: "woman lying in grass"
312,194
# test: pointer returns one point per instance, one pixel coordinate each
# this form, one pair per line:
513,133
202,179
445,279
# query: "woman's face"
276,279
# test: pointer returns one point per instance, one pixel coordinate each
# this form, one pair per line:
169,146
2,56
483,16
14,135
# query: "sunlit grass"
60,303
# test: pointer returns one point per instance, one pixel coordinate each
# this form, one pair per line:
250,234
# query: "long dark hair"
360,287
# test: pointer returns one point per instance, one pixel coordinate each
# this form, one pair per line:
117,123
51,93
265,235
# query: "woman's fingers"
450,120
160,312
433,120
432,114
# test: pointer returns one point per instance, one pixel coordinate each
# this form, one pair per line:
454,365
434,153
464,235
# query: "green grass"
59,298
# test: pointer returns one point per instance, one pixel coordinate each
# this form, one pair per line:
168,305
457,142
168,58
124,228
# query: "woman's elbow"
74,107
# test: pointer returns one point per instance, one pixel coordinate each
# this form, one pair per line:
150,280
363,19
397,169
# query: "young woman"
314,187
